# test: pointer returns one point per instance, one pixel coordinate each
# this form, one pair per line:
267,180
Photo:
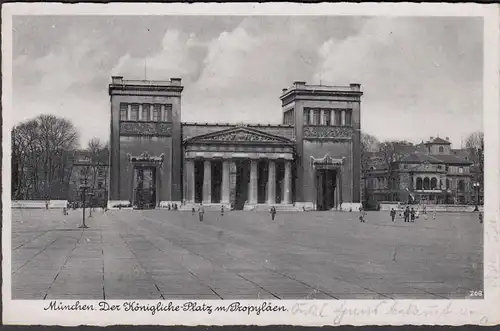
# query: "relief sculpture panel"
145,129
243,136
327,132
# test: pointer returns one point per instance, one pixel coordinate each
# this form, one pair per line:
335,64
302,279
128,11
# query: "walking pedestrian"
193,211
273,212
434,215
222,210
393,214
412,213
201,211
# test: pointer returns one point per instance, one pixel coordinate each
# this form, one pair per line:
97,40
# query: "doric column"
287,184
207,182
337,189
129,111
342,117
322,117
340,186
332,117
311,116
163,115
225,181
252,185
271,183
139,116
189,181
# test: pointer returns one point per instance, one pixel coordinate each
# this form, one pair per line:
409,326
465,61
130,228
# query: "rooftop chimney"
116,79
299,84
175,81
355,86
283,90
447,138
432,137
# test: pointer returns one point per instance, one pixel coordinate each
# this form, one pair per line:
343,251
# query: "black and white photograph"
299,161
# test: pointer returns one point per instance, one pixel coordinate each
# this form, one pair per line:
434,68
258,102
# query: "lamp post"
476,186
84,189
90,194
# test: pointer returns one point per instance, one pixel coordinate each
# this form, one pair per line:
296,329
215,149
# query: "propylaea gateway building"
310,161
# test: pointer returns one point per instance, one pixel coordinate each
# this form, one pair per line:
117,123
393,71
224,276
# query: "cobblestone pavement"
161,254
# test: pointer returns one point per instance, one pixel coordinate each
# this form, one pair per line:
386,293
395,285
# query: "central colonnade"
244,179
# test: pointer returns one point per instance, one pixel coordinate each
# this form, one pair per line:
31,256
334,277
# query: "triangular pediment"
239,135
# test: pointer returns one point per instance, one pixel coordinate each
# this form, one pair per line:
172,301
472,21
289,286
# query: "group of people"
201,212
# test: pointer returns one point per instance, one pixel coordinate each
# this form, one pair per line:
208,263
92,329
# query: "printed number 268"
476,293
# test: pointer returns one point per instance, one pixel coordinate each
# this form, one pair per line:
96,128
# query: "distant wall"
37,204
438,208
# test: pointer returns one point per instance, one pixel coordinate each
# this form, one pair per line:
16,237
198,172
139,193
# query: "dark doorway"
325,188
242,179
145,187
216,181
198,181
280,176
262,173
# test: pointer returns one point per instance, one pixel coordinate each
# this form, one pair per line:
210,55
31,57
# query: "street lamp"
476,186
90,194
84,188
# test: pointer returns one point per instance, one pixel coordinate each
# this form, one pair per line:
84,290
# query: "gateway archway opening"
326,188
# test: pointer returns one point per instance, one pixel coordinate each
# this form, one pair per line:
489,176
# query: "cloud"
245,69
418,76
179,56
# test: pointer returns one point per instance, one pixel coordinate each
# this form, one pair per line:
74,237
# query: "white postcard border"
303,312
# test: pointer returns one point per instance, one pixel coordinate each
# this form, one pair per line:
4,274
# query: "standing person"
412,213
222,210
434,215
424,210
480,217
407,214
201,211
393,214
361,215
273,212
46,205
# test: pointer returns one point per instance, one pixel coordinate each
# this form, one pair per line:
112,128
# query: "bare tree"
39,149
369,144
392,152
474,144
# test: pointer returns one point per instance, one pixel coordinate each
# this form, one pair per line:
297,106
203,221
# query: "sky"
421,77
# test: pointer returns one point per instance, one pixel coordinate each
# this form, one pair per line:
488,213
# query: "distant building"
92,171
430,172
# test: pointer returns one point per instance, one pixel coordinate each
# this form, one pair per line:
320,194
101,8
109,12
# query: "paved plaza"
161,254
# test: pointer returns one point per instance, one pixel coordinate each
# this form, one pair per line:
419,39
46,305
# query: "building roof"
439,141
419,157
451,159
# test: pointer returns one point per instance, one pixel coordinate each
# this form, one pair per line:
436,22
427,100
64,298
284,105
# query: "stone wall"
38,204
431,207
